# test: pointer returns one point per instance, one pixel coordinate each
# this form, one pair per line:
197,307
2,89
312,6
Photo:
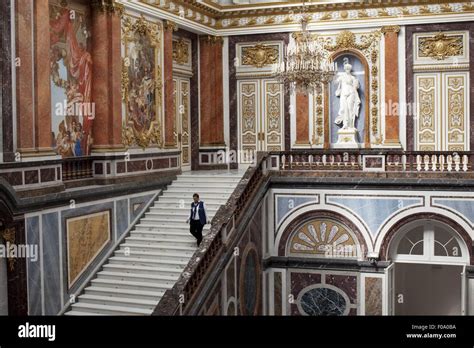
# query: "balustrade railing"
77,168
403,161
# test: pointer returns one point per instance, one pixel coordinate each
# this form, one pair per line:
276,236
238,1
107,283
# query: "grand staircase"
151,259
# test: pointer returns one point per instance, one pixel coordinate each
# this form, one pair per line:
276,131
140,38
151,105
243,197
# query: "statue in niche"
347,91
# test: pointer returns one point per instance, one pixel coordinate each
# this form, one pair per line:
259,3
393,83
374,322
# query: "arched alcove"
360,69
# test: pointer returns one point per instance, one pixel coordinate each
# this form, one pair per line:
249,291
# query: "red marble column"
170,112
106,80
42,81
218,129
211,92
24,76
205,91
302,119
392,119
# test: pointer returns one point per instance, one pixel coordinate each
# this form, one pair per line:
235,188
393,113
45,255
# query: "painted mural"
71,78
142,82
86,237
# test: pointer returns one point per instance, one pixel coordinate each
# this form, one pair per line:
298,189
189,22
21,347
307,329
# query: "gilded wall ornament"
180,52
347,39
259,55
441,46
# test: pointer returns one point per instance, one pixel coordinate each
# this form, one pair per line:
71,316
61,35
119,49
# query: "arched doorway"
427,276
3,282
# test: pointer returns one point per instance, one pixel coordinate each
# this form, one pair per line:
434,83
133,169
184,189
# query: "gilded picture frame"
142,83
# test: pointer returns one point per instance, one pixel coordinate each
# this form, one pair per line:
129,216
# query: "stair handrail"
177,300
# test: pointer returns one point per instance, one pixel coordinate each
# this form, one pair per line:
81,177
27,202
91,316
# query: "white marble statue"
347,90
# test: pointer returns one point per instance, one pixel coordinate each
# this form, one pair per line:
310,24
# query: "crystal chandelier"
303,68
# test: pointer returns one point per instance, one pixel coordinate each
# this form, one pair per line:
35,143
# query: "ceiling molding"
200,17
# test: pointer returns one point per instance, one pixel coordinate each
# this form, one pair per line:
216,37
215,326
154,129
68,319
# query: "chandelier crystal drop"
303,68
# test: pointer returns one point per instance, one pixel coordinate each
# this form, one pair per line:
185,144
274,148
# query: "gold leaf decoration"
441,46
259,56
180,52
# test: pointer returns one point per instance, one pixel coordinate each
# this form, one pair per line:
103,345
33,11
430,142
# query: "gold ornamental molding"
286,13
441,46
259,55
180,52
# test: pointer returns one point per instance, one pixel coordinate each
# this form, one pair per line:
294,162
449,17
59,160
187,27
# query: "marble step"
136,261
165,228
205,185
181,236
161,241
113,292
161,247
76,313
179,207
159,256
174,214
132,277
204,191
130,285
120,301
109,310
185,200
127,268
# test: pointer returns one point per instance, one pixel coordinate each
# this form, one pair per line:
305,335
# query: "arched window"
430,242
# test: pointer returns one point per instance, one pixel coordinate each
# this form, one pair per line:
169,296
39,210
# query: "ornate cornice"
287,13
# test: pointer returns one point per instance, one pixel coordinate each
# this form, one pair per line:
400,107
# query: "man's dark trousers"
196,230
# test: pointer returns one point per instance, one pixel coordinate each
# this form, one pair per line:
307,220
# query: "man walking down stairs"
150,260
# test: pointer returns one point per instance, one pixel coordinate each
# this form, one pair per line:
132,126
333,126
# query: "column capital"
213,40
109,6
390,29
170,26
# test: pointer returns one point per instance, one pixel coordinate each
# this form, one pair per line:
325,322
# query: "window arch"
428,241
323,237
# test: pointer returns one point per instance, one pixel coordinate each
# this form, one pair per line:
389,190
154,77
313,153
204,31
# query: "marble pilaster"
170,116
106,83
392,119
302,119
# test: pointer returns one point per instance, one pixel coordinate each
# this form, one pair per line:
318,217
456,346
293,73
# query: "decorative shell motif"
321,237
441,46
